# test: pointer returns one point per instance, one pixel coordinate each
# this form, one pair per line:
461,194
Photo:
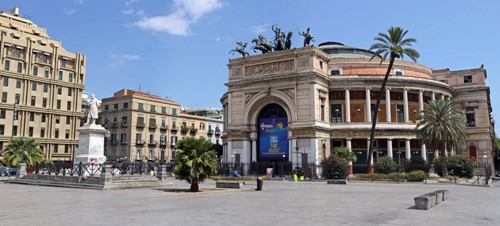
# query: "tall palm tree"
196,161
395,45
442,125
17,151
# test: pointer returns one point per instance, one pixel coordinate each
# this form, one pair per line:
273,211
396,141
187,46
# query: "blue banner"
273,137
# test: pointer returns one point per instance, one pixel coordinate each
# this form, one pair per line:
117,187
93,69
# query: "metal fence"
278,169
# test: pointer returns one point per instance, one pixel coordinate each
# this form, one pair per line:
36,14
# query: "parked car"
4,171
13,171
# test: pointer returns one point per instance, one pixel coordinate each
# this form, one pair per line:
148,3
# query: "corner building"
41,87
297,105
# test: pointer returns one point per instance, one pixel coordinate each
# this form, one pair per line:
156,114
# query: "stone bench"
229,184
336,181
429,200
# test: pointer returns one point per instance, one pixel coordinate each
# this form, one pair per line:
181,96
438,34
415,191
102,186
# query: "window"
5,81
4,97
138,154
44,102
2,129
7,65
202,126
398,72
35,70
66,148
124,119
56,147
33,100
138,138
321,65
42,132
20,67
43,118
153,108
58,104
468,79
322,109
2,113
46,74
123,138
470,115
400,113
56,134
45,57
336,113
125,105
70,78
18,83
68,106
45,87
67,134
63,62
30,131
335,72
151,138
14,130
58,119
174,111
106,107
115,107
17,52
70,91
164,110
59,90
141,106
68,120
32,116
18,97
60,75
33,86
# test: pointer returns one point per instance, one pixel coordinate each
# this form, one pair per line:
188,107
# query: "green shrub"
344,152
417,175
386,165
457,165
335,167
416,163
397,176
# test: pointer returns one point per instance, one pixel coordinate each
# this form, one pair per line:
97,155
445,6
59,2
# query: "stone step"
57,184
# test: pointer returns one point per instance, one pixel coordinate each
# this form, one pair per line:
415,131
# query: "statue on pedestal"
93,110
308,37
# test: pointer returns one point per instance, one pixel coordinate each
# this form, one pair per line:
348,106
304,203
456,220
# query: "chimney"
15,11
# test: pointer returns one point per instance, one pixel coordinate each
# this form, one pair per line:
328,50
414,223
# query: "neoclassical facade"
298,105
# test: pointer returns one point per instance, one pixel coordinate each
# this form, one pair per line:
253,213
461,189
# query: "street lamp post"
231,165
486,171
282,166
163,144
336,115
23,138
107,134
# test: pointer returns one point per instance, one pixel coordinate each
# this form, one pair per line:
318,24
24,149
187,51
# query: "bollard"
260,182
295,177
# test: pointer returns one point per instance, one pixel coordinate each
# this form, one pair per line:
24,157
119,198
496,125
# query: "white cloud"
129,2
198,8
186,13
259,29
119,60
128,12
70,11
139,12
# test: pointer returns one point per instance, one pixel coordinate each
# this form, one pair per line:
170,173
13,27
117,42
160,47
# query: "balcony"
114,125
114,142
140,142
124,124
217,133
140,125
210,132
184,129
153,126
153,143
193,130
123,142
174,128
163,127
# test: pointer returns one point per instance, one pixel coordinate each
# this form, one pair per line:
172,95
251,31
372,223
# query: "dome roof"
339,50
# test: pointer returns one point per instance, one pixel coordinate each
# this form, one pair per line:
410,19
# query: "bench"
229,184
429,200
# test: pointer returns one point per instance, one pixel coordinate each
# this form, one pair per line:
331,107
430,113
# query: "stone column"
423,152
368,155
253,137
389,147
368,117
421,101
349,146
388,104
433,97
442,96
405,102
407,149
347,105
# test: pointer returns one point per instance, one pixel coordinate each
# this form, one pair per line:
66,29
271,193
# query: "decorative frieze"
303,62
269,68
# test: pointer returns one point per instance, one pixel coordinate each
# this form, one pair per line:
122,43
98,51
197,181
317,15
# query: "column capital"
368,88
406,89
387,88
421,90
348,138
347,88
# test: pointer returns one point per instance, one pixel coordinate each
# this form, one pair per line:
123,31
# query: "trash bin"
259,184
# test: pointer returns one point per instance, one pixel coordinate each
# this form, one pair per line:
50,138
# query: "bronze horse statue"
240,48
262,44
308,37
288,41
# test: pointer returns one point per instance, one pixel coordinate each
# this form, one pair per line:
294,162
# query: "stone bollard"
162,172
21,170
106,176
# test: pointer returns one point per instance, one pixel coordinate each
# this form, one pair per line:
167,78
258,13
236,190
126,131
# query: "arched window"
473,151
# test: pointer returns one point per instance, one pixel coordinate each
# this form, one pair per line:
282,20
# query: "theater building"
297,105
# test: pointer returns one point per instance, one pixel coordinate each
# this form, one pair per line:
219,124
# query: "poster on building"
273,136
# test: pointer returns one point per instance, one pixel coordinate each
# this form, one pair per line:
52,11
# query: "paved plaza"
280,203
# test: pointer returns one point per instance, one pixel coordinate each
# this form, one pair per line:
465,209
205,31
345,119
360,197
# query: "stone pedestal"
91,144
21,171
162,172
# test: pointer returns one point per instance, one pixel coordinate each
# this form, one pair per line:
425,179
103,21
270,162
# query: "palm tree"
196,161
393,44
442,125
17,151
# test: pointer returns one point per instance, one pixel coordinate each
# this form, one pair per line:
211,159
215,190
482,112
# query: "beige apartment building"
144,126
41,87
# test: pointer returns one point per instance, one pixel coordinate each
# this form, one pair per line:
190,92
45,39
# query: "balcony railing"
163,127
217,133
153,143
174,128
210,131
153,126
140,142
114,141
124,124
140,125
193,130
123,142
114,125
184,129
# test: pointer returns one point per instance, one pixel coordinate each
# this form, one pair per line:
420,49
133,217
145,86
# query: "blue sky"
180,48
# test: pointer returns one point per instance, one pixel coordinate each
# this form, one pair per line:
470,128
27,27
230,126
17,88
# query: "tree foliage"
17,151
386,165
336,166
196,161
